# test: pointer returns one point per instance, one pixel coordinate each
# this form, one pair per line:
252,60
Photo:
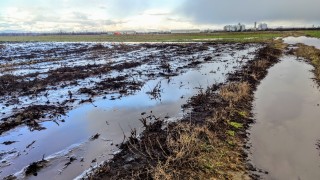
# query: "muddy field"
40,81
137,110
53,83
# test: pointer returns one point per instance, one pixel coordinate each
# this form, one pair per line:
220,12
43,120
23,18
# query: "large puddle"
287,124
67,145
304,40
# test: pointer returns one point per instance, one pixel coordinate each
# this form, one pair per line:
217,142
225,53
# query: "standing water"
68,147
287,124
304,40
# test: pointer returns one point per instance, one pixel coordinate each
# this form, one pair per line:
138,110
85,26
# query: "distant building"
121,32
128,32
185,31
234,28
110,33
262,27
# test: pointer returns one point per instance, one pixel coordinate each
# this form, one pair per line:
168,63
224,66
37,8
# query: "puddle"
287,124
303,39
112,119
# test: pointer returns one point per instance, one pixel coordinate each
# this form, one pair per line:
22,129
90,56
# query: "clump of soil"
94,137
8,142
31,115
35,167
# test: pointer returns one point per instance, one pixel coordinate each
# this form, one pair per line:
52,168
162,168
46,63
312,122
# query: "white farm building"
262,26
233,28
185,31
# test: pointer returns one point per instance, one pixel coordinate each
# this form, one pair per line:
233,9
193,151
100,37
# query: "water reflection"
286,108
303,39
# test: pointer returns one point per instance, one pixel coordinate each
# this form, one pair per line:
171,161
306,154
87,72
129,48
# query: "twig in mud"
124,135
94,137
71,159
55,121
93,104
318,145
155,92
8,142
28,146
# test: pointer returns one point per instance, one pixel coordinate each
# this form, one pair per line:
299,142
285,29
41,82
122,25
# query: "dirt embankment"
208,143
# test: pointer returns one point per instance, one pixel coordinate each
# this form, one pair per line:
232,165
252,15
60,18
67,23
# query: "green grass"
231,133
226,37
236,125
315,33
200,37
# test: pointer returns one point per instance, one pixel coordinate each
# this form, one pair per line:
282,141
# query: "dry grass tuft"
235,92
261,64
197,153
313,55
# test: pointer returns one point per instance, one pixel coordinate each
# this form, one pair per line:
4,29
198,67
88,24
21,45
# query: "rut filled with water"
287,112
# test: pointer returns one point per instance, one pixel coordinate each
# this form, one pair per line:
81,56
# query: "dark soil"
8,142
35,167
31,116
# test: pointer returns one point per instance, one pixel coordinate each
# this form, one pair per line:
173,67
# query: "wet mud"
105,69
65,88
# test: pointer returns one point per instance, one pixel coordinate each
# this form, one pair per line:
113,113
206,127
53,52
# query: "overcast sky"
143,15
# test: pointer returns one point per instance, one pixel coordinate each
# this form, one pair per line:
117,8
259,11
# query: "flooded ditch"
104,89
285,135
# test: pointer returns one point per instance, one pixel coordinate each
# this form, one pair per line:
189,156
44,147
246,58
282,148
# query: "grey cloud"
248,11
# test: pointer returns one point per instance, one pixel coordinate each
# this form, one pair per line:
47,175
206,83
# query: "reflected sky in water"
287,123
302,39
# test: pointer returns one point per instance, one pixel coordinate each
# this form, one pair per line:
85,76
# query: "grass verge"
312,55
200,37
207,144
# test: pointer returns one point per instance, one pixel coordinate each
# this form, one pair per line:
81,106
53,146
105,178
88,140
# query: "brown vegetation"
312,55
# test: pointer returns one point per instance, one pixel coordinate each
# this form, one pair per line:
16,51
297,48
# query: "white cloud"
98,15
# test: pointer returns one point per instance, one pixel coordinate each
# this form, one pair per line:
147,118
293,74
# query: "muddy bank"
312,55
208,142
